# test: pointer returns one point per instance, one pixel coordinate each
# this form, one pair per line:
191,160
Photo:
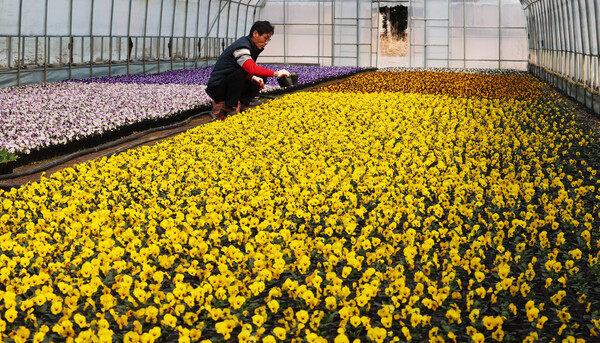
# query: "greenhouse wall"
564,42
52,40
468,34
442,33
322,32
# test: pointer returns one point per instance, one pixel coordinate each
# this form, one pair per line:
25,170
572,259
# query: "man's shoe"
216,109
252,103
243,108
225,112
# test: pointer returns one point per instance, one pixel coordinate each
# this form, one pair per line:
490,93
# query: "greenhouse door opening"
393,40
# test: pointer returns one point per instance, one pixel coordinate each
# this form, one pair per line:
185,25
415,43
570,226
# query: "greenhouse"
299,171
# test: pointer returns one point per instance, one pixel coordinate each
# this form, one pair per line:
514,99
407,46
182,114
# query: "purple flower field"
309,74
38,116
33,117
200,76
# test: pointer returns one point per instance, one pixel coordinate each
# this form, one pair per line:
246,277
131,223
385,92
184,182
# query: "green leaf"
6,156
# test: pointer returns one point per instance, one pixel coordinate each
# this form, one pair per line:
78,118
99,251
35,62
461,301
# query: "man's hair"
262,27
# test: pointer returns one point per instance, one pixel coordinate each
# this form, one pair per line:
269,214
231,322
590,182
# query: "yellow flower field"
516,86
321,216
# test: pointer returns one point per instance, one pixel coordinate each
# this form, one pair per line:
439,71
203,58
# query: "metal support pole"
185,32
254,15
144,39
128,36
581,52
46,42
357,32
333,32
82,49
371,37
411,35
534,24
425,45
246,21
110,37
597,16
19,43
285,40
555,26
563,35
584,53
377,21
554,37
596,10
448,36
464,27
36,49
197,38
159,33
542,32
219,22
558,42
10,53
499,32
92,40
237,20
590,26
228,20
319,41
172,43
207,32
70,37
571,40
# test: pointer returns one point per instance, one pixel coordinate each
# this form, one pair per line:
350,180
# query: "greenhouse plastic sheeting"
564,44
468,34
38,35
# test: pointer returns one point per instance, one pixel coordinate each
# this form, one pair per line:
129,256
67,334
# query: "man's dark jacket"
227,64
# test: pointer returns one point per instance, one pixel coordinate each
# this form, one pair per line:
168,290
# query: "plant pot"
288,81
7,167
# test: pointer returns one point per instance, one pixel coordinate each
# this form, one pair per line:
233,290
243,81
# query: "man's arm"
244,60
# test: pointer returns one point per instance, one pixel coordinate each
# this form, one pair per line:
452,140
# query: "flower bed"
196,76
516,86
309,75
484,71
40,116
200,76
322,217
34,117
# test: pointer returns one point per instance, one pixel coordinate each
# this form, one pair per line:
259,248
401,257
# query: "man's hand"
282,73
258,81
